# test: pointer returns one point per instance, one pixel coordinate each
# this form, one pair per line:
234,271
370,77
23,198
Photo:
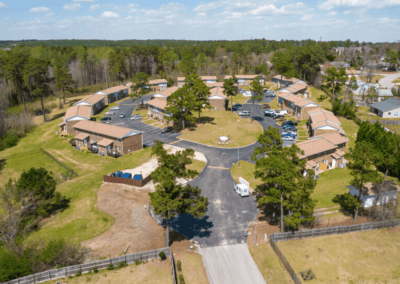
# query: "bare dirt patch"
133,225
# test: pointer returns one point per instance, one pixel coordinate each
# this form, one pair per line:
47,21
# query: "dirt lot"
133,225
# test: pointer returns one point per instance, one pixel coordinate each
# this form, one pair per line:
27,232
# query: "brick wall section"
128,181
160,117
70,128
97,109
110,97
132,143
219,104
304,112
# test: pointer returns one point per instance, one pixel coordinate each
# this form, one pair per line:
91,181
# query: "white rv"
243,188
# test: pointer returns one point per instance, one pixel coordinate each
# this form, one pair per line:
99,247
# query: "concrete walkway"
230,264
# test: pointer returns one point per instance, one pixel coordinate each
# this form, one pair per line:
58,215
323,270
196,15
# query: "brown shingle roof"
113,89
304,103
318,110
105,129
208,78
104,142
311,164
279,77
79,110
92,99
161,104
180,79
283,94
81,136
215,85
340,153
168,91
243,76
217,92
290,89
157,81
294,99
324,117
334,138
312,147
325,123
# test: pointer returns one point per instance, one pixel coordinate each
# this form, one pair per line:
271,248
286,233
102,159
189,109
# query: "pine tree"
195,85
62,77
336,80
140,85
181,104
230,89
170,198
256,89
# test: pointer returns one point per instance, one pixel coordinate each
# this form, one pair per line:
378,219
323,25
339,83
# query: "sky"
362,20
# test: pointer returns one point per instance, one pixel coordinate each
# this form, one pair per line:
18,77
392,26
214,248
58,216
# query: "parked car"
293,133
136,116
244,113
277,116
167,129
287,138
121,115
291,128
269,112
105,118
234,105
289,122
114,108
288,126
235,108
264,106
282,112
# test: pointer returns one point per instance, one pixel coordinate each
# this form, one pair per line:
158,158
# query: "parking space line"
174,142
221,168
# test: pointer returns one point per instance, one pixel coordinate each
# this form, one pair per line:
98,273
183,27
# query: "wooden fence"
101,264
387,122
283,237
128,181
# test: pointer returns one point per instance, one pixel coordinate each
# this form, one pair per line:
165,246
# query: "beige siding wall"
304,111
391,113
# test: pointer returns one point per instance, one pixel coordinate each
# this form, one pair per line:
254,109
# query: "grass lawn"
359,257
246,171
315,94
303,133
150,272
300,138
269,265
394,128
374,78
223,123
396,81
192,268
351,129
147,119
239,99
82,220
196,165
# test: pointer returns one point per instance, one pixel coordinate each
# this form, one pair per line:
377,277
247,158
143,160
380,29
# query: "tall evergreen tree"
256,89
336,80
171,198
140,85
230,89
181,104
187,65
62,78
197,86
117,64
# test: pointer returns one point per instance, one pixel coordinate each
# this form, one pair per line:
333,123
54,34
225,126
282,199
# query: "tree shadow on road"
190,227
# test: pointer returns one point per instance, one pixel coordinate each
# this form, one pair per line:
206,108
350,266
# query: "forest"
34,71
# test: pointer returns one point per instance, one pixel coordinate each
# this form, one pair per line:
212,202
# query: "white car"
136,116
246,94
242,188
121,115
244,113
287,138
289,132
114,108
281,112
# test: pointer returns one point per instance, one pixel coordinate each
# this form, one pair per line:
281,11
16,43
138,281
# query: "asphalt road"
386,82
230,264
224,223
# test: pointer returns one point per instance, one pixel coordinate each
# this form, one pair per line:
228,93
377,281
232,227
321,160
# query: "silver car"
136,116
121,115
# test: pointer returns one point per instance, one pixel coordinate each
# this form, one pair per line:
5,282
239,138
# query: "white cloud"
71,7
109,14
129,17
133,10
50,14
201,14
3,5
306,17
207,7
331,14
377,4
39,10
295,8
83,0
94,7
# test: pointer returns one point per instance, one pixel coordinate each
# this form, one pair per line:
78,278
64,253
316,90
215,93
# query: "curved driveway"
224,223
386,82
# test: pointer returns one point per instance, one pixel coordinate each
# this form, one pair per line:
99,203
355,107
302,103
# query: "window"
389,113
396,113
119,149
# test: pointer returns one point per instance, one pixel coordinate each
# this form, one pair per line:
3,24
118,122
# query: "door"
333,163
108,148
85,142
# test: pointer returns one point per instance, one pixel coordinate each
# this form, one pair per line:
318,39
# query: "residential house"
298,88
114,94
218,99
322,121
205,79
370,193
303,107
245,80
281,81
215,85
158,85
339,64
295,105
165,94
389,108
73,115
156,110
349,50
108,139
96,102
321,155
335,138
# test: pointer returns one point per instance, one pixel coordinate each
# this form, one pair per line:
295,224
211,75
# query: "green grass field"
351,129
365,114
238,99
359,257
394,128
246,171
82,220
223,123
303,133
374,78
315,94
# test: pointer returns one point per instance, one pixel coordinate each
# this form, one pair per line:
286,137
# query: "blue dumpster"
138,177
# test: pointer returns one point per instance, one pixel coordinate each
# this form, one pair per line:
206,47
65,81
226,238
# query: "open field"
238,99
193,269
359,257
316,93
82,220
154,271
394,128
269,264
223,123
246,171
351,129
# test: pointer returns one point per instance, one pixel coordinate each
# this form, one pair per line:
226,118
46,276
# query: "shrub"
122,264
179,264
181,279
79,273
137,262
110,267
95,270
162,255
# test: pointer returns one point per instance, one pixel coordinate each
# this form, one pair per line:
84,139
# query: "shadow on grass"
57,116
2,164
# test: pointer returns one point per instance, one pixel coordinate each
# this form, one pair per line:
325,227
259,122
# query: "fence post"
34,279
49,275
65,270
